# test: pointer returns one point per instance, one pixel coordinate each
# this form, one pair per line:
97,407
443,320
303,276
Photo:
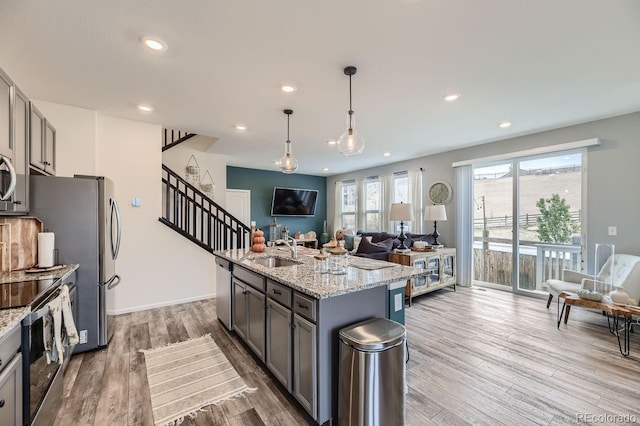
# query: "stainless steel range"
42,382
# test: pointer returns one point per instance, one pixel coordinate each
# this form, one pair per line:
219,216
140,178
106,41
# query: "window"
401,195
372,194
401,187
348,208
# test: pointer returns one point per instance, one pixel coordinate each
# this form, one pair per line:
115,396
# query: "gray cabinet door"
255,322
36,138
11,393
278,353
50,148
304,365
6,119
240,309
20,150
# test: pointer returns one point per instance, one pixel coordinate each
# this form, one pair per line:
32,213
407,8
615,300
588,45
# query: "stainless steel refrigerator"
83,214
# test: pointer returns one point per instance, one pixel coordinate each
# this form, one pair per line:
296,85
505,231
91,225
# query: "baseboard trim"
160,305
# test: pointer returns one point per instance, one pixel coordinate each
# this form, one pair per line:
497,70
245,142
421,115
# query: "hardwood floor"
476,357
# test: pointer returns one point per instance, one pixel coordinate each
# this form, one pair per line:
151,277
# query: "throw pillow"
356,242
366,247
348,241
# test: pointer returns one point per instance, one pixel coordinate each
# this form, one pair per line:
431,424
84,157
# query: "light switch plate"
613,230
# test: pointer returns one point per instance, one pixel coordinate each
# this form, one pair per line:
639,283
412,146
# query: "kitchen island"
290,316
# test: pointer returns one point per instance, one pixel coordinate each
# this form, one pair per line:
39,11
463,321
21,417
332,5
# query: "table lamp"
402,212
435,213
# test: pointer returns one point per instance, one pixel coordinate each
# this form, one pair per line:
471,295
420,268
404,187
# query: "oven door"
42,382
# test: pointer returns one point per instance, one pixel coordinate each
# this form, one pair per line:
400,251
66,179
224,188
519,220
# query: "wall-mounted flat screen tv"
294,202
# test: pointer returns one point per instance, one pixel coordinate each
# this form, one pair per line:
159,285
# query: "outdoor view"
548,226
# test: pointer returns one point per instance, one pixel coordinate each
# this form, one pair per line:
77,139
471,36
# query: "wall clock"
440,192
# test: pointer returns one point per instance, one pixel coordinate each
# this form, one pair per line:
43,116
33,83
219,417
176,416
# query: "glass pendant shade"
351,141
288,163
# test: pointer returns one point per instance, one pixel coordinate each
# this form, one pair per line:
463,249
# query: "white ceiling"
538,64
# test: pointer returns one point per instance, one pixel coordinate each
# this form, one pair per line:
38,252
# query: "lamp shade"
436,212
401,211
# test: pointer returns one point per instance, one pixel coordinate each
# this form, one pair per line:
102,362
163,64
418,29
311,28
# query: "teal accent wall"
261,184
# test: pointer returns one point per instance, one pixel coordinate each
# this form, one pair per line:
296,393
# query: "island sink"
274,262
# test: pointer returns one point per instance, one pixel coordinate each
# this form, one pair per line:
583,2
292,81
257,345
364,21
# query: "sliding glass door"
527,221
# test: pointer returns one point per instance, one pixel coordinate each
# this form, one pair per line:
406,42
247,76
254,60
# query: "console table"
440,263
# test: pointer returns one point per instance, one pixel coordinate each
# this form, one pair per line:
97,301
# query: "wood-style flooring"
476,357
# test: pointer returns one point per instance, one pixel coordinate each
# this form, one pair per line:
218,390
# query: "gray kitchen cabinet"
36,138
20,150
10,379
49,148
305,374
6,118
279,334
240,308
255,320
249,309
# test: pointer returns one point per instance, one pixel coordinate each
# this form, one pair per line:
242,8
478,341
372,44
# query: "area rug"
187,376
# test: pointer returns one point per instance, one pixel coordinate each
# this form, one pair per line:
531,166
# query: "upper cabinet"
27,145
14,139
42,143
21,151
6,95
50,149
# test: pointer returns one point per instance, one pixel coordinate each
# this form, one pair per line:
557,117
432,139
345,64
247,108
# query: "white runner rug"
187,376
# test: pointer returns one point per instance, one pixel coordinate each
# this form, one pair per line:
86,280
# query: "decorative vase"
324,237
619,296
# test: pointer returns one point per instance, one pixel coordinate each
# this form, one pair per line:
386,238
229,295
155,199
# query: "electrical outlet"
613,230
83,336
398,301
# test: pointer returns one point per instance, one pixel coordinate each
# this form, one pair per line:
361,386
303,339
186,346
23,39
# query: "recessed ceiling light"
332,142
288,88
325,169
452,97
387,154
145,108
154,44
504,124
241,127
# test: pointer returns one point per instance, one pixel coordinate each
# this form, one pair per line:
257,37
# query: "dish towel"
55,336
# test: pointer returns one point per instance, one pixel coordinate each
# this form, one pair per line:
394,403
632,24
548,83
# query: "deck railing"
552,259
195,216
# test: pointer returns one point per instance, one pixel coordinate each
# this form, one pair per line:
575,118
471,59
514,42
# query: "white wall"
158,267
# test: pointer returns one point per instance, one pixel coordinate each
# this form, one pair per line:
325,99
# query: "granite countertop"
9,318
360,275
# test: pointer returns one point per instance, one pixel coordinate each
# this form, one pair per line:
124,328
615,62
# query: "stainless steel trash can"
372,373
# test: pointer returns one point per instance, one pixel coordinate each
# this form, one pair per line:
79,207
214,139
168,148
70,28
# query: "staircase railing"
195,216
171,138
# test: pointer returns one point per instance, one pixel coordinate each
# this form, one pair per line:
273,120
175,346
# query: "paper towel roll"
46,243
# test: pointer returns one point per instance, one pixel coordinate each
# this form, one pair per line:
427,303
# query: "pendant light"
351,141
288,163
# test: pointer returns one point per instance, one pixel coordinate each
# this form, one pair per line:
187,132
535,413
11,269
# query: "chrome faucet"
293,246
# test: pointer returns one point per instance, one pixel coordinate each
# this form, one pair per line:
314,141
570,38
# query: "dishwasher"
223,292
